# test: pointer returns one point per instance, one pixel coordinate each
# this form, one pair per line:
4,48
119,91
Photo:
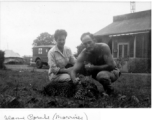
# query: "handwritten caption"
56,116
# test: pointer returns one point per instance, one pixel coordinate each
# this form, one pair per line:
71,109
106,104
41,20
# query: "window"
40,51
123,50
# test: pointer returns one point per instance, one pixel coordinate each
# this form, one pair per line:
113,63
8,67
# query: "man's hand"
89,67
76,80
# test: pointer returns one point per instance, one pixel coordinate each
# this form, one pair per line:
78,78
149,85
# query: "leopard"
83,90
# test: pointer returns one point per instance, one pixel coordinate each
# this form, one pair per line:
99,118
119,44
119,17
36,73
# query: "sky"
22,22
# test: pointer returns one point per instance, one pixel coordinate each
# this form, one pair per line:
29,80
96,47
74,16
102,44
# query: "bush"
1,59
79,49
140,66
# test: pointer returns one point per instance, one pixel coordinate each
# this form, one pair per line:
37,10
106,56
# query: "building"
12,57
129,37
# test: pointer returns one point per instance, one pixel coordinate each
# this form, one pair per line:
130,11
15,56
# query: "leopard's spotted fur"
56,88
86,89
83,90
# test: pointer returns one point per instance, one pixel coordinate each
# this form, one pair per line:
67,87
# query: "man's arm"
77,66
107,56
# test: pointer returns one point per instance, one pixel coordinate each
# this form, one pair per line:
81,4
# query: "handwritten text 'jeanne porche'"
28,117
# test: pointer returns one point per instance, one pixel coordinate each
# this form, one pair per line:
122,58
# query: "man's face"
88,43
61,41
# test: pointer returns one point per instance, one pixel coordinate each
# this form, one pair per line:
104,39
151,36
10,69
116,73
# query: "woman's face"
61,41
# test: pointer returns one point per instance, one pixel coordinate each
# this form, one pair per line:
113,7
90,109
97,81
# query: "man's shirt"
58,60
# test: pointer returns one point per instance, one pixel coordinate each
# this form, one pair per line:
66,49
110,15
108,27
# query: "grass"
17,91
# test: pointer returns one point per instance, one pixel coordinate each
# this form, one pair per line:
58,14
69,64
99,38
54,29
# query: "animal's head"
91,90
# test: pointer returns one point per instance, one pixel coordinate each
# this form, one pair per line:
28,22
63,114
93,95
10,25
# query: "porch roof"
128,23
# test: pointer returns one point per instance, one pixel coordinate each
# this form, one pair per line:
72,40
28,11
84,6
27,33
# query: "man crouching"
96,60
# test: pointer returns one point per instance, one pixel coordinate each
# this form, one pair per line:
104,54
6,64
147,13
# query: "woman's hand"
69,70
65,70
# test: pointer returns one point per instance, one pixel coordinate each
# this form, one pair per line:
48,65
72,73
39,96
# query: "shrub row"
140,66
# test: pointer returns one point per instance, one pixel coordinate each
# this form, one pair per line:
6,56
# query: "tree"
2,58
79,49
44,39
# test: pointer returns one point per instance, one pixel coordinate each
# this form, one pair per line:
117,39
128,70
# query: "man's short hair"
59,33
87,33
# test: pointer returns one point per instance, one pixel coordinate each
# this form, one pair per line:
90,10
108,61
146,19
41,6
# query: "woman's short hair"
59,33
87,33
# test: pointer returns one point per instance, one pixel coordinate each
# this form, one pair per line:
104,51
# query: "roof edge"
124,32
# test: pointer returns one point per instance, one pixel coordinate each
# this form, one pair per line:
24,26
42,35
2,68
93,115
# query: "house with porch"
129,37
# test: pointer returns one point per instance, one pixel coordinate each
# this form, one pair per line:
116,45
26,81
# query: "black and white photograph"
75,54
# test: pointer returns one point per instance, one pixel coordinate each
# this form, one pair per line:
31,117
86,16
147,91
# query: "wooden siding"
143,49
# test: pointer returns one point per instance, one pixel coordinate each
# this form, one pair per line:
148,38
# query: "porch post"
135,47
112,47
